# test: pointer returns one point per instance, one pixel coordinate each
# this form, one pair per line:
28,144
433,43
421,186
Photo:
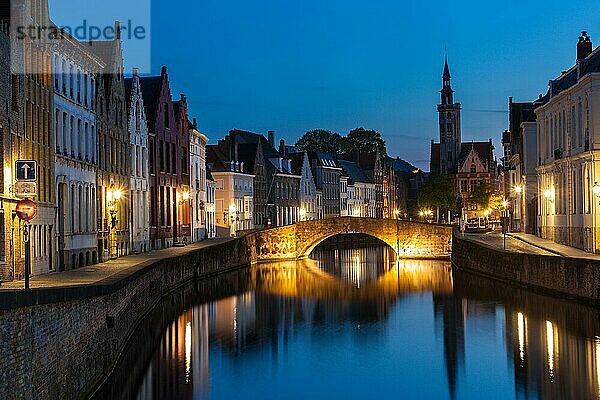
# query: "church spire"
446,76
447,92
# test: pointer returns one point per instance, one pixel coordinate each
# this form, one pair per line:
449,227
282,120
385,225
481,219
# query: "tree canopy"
323,141
481,195
437,192
364,140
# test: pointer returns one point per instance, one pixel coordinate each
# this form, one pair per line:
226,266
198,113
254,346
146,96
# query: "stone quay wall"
62,343
572,278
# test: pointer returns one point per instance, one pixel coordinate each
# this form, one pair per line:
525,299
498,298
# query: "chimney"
271,135
163,70
135,71
195,123
233,146
584,46
282,147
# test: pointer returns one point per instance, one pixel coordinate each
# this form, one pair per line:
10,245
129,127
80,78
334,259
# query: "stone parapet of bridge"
408,239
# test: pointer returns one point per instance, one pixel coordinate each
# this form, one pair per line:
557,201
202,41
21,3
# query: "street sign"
26,170
26,210
25,189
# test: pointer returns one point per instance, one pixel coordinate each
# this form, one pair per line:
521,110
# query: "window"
473,168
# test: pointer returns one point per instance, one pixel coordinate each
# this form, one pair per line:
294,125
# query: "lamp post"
114,195
232,219
302,214
505,220
185,197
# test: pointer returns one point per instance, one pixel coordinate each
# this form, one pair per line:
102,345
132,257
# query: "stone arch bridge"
408,239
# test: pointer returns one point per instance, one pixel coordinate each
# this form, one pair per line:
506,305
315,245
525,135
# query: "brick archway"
408,239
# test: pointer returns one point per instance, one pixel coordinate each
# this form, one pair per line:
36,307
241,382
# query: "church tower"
450,131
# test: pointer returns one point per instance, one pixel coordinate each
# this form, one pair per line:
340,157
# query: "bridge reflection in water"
358,324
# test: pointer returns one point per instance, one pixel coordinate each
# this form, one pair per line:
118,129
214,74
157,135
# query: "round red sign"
26,210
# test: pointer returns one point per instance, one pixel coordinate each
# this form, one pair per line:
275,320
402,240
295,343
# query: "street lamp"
302,213
183,199
518,189
232,218
505,219
113,195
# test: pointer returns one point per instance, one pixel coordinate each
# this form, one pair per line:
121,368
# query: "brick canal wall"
574,278
65,345
60,343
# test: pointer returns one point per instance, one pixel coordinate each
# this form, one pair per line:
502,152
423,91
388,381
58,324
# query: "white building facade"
211,226
198,189
308,191
139,182
568,127
76,155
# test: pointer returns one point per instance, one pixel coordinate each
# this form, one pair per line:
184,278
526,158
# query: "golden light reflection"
521,331
188,352
307,279
355,268
551,344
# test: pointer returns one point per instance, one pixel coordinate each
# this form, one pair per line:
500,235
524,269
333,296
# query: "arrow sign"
26,170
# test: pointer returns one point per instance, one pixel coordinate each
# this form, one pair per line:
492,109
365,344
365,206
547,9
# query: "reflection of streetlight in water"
550,343
521,330
188,351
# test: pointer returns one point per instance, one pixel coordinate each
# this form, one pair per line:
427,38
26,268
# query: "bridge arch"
408,239
321,239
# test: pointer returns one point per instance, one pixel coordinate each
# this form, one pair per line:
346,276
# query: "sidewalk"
515,245
552,247
114,268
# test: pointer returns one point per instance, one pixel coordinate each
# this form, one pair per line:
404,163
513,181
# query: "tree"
323,141
481,195
366,140
437,193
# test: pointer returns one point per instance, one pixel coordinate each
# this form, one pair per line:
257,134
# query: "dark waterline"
353,323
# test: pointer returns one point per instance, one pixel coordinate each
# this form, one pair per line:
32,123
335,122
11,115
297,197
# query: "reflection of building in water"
357,266
180,370
200,351
169,372
450,310
551,362
233,322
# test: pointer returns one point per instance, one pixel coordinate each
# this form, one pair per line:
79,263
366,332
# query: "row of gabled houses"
120,164
123,168
261,184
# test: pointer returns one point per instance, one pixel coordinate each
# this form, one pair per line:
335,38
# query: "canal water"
354,323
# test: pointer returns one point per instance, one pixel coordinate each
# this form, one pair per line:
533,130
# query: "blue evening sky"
292,66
